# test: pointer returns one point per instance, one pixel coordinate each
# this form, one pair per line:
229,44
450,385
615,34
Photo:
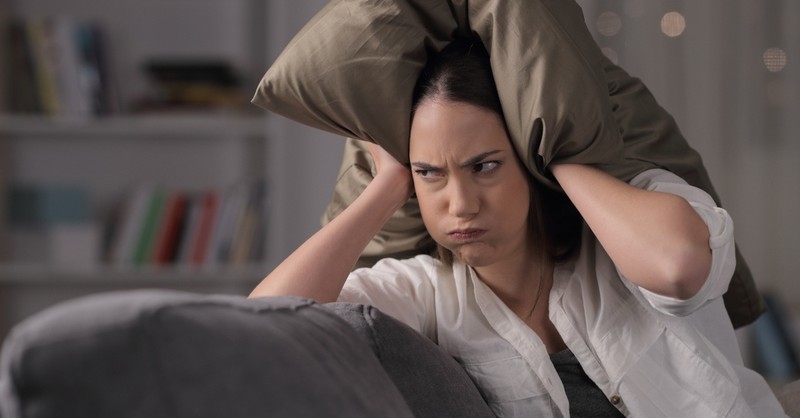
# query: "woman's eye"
426,174
485,167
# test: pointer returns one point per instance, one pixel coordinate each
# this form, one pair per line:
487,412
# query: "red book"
169,231
208,214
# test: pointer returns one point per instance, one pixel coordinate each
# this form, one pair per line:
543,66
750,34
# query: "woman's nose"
463,201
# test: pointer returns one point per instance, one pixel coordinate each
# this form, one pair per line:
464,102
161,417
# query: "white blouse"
652,356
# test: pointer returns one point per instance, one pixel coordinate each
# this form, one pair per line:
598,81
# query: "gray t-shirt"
585,398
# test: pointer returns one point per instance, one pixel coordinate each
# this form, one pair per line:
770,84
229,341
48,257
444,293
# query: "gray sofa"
156,353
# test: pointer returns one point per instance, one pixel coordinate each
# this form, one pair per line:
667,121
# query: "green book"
149,231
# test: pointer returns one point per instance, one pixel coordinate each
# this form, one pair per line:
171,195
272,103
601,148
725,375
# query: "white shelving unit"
192,151
115,126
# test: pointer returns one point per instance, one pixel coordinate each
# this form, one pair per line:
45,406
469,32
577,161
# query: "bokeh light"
774,59
609,23
673,24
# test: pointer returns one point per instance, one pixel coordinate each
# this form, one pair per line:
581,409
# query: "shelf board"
108,275
202,124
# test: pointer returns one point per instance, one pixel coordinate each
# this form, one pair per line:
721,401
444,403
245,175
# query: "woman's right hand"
319,268
388,169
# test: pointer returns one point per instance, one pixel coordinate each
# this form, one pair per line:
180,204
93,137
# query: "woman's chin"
474,257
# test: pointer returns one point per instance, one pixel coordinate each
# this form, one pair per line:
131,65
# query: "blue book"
42,206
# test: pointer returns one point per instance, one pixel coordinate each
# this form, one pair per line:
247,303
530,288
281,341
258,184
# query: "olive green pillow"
351,71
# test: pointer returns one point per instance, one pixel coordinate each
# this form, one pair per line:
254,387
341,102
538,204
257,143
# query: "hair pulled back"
461,72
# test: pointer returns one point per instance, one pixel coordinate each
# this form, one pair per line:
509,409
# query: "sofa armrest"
167,353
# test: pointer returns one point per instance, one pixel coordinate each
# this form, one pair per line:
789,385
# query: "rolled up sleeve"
721,242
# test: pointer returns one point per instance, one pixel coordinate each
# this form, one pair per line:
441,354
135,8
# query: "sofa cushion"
431,381
174,354
789,397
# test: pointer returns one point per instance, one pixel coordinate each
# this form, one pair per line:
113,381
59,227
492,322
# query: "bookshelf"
106,156
126,125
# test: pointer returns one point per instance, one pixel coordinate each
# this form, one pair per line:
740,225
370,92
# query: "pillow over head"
352,70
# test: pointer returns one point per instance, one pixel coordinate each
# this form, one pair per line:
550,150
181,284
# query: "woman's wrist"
394,186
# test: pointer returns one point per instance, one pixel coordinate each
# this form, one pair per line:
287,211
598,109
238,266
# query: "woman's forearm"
319,268
656,239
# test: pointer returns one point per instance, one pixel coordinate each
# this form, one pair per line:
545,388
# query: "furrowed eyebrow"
469,163
476,159
423,166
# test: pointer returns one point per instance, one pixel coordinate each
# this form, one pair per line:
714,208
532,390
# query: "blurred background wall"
728,72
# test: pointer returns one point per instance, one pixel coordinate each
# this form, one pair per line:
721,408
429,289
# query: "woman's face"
471,187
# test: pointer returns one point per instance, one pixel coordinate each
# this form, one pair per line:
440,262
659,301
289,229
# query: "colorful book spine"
58,67
211,203
208,229
42,51
151,221
169,230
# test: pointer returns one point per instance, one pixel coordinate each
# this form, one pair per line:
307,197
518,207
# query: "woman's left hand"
656,239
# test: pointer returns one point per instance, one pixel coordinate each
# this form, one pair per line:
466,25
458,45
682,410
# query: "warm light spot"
633,8
611,54
673,24
774,59
609,23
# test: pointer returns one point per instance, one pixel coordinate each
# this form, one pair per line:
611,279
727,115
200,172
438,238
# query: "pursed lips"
468,234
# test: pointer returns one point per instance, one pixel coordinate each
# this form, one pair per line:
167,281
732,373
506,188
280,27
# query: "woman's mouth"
462,235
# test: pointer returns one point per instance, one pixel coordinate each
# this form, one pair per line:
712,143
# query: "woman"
620,317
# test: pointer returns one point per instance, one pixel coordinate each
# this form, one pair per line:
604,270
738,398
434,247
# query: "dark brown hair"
462,72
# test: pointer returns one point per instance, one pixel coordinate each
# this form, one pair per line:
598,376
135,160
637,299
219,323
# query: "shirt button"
615,400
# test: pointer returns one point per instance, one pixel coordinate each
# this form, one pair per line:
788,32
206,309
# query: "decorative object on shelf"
192,85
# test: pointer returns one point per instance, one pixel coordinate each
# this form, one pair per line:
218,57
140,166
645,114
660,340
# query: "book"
149,228
44,205
21,82
75,95
159,227
58,67
95,77
169,229
208,216
232,209
248,226
189,229
43,52
127,229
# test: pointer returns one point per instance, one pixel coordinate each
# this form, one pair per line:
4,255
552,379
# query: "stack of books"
208,229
